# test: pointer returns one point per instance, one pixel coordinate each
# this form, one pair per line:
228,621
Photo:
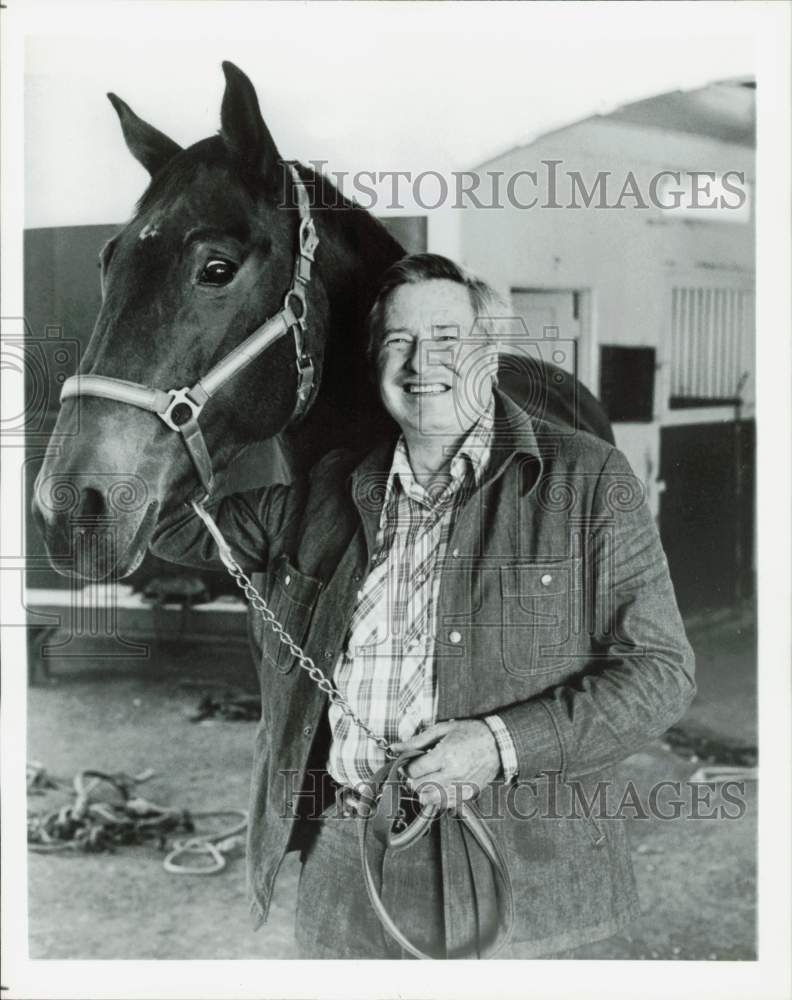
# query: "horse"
223,242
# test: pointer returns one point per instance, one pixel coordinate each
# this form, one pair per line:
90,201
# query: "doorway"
557,322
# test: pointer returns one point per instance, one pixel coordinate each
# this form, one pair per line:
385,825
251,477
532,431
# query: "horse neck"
355,250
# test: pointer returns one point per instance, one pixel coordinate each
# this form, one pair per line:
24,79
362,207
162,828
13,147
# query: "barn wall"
628,258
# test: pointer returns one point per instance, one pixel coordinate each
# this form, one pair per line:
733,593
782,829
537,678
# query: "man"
489,587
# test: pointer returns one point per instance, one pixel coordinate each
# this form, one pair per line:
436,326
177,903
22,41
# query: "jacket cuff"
508,754
535,738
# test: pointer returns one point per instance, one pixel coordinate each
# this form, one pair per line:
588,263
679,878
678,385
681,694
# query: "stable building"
625,245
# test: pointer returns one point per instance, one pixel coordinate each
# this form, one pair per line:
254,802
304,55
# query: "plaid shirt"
386,671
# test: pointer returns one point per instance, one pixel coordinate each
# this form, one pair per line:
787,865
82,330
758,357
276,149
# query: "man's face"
434,367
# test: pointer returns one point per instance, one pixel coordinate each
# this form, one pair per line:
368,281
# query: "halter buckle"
305,379
292,318
309,241
180,397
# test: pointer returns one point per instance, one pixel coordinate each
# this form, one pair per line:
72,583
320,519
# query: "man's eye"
397,341
217,272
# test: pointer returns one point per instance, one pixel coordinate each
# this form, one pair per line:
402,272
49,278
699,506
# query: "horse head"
207,257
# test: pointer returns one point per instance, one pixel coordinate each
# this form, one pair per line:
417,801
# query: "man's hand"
463,759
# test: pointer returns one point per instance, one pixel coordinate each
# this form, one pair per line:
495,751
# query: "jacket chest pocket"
540,609
292,600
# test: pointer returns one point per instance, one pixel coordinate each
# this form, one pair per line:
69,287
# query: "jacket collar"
515,433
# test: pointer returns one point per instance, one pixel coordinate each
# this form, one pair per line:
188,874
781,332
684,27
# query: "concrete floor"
696,879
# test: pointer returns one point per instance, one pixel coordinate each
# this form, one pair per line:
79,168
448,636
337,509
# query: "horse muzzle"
96,526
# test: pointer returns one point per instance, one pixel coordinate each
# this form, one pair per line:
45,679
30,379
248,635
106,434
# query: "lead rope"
305,662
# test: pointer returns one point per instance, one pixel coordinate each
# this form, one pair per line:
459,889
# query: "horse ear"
148,145
241,125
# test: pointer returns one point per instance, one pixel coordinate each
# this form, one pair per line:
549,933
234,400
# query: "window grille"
712,343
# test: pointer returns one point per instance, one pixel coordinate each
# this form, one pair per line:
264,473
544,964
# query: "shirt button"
307,731
455,637
328,654
287,581
455,553
546,580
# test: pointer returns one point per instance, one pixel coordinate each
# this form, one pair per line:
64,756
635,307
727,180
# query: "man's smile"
425,388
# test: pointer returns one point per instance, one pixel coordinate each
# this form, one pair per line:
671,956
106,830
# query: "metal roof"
725,110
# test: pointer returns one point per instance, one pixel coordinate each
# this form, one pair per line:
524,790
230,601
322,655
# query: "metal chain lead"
305,662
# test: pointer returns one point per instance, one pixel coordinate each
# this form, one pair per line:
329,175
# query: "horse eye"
217,272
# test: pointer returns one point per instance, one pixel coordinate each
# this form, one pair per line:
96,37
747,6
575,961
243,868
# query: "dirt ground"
696,879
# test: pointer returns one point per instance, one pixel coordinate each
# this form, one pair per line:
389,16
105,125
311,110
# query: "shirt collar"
472,456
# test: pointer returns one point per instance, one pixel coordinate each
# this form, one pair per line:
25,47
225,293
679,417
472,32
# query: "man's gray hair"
420,267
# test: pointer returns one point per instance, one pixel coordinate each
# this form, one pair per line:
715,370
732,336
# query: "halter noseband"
179,409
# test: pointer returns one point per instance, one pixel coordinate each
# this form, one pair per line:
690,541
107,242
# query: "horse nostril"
92,503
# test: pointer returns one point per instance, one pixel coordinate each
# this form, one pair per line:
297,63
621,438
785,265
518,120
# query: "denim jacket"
555,612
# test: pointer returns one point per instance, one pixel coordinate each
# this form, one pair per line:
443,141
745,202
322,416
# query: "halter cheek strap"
179,409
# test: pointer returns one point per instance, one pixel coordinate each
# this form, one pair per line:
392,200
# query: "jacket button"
455,553
307,731
546,580
455,637
328,654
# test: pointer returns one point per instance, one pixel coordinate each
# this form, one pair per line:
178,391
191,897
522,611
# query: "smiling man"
426,347
488,587
429,342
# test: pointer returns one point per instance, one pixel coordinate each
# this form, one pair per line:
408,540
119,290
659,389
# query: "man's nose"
426,354
412,361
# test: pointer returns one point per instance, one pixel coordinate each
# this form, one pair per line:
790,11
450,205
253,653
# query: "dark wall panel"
627,377
707,512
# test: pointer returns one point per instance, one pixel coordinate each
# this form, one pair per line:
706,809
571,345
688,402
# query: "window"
712,339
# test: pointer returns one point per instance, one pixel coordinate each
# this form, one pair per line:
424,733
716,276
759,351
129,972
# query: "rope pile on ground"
116,816
91,825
